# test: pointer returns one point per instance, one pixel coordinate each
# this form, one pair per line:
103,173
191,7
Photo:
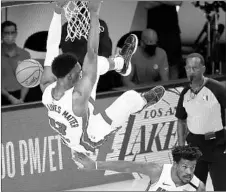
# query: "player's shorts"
95,131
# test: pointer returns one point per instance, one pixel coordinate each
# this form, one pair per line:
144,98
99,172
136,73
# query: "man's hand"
14,100
59,6
84,160
94,6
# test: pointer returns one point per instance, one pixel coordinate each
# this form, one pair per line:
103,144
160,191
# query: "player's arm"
90,61
83,88
152,170
201,187
53,42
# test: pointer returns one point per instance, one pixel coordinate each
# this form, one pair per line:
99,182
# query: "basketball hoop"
78,17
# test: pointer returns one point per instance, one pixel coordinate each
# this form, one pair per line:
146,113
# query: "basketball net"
78,17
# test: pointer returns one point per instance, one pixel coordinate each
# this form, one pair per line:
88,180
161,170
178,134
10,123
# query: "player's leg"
132,102
103,66
120,63
118,113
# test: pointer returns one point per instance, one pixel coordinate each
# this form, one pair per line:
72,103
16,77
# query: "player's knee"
129,96
102,65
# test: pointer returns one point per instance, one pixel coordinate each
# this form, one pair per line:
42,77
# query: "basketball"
29,73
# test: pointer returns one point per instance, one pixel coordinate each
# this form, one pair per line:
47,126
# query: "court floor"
130,185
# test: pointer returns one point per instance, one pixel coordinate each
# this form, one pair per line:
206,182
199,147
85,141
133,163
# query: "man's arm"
201,187
83,88
164,68
90,61
23,93
181,115
53,42
149,169
152,170
10,97
182,131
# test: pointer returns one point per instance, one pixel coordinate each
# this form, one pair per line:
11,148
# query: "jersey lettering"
60,128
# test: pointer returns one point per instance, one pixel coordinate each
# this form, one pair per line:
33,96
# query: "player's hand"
59,6
94,6
87,163
61,3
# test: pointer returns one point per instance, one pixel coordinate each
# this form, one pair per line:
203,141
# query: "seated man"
149,63
12,92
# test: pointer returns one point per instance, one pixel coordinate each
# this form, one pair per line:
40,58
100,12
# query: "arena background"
33,159
128,15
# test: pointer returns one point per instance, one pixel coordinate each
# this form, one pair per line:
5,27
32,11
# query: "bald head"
149,37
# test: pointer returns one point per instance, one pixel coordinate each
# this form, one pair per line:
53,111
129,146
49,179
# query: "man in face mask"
12,92
149,63
149,42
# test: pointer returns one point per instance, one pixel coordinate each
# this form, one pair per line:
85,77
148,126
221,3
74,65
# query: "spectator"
149,63
201,113
163,18
12,92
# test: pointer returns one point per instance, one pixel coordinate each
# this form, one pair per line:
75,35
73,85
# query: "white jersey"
72,129
165,182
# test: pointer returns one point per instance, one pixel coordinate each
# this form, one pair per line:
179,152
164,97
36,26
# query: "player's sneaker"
153,96
128,49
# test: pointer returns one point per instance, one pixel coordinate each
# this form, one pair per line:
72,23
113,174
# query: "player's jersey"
72,129
165,182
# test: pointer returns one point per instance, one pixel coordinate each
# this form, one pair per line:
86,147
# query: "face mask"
9,39
150,49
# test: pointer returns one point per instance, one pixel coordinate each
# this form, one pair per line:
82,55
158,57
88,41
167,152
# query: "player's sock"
119,63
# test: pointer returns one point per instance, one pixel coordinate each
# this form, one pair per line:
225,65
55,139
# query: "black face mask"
150,49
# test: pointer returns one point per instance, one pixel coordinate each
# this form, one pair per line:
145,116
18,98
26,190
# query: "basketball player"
178,176
69,90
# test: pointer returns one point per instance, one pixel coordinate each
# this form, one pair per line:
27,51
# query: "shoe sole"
164,91
130,67
136,45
